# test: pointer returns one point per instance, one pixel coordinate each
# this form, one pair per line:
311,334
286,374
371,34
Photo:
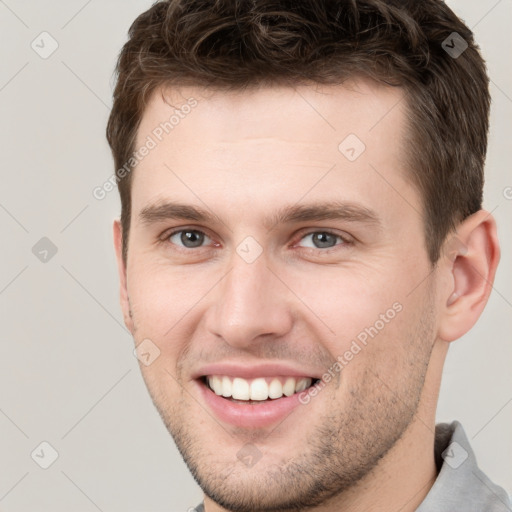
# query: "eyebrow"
330,210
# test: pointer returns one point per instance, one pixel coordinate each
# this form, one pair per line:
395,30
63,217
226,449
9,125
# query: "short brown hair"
234,45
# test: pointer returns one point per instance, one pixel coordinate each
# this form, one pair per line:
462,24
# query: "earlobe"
121,266
470,260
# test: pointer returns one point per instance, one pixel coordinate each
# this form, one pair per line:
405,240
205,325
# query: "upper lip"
252,371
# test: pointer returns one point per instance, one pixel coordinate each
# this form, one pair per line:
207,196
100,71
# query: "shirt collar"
460,484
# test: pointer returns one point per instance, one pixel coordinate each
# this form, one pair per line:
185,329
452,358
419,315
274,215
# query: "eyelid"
345,237
166,235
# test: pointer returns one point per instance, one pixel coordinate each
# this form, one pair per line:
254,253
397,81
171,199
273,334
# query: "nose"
251,303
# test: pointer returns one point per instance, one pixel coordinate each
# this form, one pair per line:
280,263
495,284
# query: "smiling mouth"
258,390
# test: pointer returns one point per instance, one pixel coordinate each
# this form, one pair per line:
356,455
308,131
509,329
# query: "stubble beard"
345,446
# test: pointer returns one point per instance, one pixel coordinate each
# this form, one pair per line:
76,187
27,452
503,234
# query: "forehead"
355,106
270,144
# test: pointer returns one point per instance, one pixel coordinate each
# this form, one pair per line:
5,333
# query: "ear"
469,260
121,266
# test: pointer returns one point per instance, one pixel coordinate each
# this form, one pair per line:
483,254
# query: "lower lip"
259,415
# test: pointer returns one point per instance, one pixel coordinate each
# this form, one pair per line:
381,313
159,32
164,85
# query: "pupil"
323,239
192,238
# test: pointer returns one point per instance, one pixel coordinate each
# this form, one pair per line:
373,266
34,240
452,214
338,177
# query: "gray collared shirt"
460,486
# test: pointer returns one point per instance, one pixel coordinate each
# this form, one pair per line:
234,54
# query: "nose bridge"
248,284
250,302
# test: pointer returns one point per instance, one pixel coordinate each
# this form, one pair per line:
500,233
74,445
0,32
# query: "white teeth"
289,386
306,382
226,387
240,389
257,389
302,384
216,384
275,390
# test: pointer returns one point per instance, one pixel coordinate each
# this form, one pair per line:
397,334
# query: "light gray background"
67,372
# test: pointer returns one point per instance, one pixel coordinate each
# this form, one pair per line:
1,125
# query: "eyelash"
346,240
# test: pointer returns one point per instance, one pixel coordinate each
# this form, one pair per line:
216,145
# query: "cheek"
348,300
368,318
166,304
160,291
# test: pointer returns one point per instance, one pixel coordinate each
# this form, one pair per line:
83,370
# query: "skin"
365,442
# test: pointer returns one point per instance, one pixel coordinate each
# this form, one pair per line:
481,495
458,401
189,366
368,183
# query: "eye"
188,238
323,240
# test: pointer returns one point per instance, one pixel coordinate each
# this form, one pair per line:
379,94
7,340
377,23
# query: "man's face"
268,289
